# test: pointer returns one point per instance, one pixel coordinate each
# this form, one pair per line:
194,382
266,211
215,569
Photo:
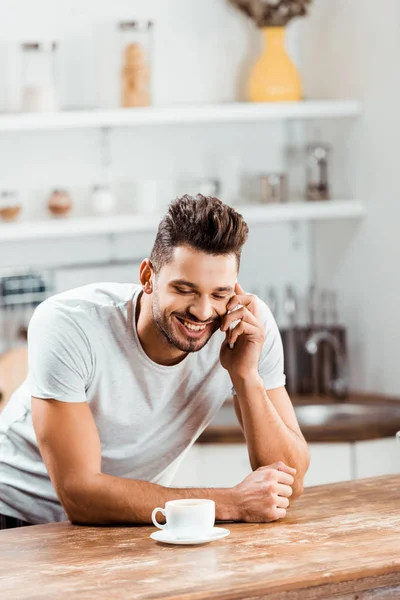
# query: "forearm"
268,438
107,500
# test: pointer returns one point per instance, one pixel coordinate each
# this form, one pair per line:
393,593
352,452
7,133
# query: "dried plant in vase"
274,77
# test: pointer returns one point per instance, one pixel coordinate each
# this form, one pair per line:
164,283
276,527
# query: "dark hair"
203,223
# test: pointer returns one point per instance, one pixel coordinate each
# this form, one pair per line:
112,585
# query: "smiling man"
124,378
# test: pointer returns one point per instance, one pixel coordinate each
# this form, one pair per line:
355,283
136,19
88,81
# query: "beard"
168,329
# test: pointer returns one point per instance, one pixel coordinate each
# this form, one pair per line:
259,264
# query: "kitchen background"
346,247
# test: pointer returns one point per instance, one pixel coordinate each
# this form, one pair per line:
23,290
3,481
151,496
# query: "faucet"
339,385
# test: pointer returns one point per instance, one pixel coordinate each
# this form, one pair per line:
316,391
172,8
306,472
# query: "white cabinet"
225,465
377,457
187,474
329,463
213,465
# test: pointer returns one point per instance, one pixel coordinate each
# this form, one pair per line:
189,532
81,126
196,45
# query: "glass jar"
39,86
273,188
10,205
136,55
317,172
59,202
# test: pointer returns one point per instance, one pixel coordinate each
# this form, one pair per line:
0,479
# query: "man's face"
190,295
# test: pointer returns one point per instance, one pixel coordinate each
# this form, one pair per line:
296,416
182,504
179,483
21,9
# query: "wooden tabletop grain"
337,541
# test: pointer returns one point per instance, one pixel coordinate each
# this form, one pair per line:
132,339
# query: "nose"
202,309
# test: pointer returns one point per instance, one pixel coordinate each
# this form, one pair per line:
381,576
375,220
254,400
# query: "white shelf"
258,214
180,114
303,211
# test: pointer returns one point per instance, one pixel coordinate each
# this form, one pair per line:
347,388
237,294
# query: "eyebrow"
193,286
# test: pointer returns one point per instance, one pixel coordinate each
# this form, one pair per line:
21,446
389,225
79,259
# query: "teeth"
194,327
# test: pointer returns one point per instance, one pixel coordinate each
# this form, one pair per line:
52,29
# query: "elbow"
298,484
76,516
76,502
75,511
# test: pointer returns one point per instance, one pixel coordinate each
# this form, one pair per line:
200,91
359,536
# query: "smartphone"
234,323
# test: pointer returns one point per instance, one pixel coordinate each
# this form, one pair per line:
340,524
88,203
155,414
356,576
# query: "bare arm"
269,422
271,429
70,446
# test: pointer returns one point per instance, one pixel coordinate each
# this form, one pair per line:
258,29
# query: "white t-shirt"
83,347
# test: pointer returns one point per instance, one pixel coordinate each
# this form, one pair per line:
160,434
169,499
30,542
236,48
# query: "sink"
345,413
331,422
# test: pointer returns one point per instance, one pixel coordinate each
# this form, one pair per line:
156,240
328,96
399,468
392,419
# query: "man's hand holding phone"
247,337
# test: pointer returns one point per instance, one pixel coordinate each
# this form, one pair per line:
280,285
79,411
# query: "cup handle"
153,518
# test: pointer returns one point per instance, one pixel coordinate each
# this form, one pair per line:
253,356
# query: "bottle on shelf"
136,53
103,200
317,187
10,205
39,77
59,203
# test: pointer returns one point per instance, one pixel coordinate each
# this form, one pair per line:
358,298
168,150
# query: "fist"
264,495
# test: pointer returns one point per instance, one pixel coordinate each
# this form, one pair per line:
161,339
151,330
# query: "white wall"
202,53
347,48
353,48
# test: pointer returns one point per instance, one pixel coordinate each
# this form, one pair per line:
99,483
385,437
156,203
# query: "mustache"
189,317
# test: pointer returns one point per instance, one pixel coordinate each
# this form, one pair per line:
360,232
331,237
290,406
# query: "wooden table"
336,542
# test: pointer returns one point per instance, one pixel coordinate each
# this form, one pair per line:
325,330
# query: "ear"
146,273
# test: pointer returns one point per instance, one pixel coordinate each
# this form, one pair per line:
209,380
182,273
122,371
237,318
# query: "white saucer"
166,538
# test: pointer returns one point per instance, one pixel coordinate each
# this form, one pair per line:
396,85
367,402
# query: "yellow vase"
274,78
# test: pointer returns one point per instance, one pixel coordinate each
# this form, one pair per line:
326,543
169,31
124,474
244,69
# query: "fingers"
238,315
282,502
267,492
241,297
284,490
239,289
285,479
244,300
277,513
281,466
240,329
279,476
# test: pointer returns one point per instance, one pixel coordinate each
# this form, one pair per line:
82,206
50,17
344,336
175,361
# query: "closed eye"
185,292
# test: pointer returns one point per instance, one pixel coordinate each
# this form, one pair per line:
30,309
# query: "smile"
192,327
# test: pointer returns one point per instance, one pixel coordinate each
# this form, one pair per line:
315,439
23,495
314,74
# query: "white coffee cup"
187,519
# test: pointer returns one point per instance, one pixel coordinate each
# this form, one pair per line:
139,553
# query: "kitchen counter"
338,541
384,422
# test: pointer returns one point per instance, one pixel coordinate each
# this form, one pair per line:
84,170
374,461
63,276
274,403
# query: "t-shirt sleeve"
270,365
59,355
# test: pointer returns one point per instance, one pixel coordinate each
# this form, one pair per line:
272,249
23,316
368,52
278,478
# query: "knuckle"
270,497
270,475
